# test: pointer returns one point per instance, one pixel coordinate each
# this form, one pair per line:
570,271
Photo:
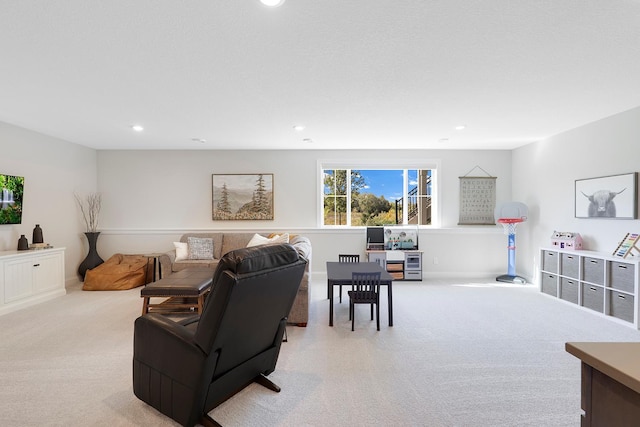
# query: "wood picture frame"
242,196
607,197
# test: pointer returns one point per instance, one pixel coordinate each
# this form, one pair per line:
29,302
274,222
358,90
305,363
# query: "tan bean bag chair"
117,273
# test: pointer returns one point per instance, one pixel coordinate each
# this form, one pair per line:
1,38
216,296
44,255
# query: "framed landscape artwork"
243,196
614,197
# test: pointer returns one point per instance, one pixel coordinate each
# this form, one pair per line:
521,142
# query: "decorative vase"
93,259
37,235
23,243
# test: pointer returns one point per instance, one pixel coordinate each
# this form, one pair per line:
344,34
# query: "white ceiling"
356,73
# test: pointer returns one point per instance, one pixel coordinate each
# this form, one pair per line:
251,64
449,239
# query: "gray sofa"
224,242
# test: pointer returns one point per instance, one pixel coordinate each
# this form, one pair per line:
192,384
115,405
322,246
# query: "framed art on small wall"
242,196
613,197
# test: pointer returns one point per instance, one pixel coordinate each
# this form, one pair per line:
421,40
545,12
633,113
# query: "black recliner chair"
185,369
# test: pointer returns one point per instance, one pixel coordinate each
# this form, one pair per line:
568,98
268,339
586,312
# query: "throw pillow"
291,236
182,252
283,238
200,247
257,239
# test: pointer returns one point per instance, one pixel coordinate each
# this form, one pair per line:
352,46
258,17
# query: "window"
376,195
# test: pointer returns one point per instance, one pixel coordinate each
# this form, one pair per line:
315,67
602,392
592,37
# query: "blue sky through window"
387,183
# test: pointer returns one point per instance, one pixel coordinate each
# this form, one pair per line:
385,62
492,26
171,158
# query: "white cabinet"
402,265
599,282
413,265
30,277
379,257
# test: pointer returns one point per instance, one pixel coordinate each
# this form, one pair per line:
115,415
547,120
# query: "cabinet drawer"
593,270
550,261
622,276
549,284
397,275
621,306
593,297
569,290
395,266
569,265
412,275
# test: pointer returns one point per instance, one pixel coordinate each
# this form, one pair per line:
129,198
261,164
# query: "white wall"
53,169
151,197
544,176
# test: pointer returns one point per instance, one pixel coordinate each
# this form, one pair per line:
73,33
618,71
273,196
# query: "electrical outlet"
435,259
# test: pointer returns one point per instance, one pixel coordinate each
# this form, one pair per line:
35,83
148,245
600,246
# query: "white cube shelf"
599,282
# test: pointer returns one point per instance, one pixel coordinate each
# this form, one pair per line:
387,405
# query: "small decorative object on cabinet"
37,242
599,282
566,240
23,243
627,246
37,235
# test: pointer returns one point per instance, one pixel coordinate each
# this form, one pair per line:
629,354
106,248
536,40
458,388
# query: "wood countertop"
618,360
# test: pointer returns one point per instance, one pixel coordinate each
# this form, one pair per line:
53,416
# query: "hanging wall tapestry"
477,199
237,197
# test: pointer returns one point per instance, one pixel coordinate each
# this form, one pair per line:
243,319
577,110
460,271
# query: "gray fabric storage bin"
569,290
550,261
622,276
570,265
550,284
621,305
593,297
594,270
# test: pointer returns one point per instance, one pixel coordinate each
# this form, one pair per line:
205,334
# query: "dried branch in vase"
90,208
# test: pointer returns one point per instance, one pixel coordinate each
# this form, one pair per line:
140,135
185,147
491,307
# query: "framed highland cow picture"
243,196
613,197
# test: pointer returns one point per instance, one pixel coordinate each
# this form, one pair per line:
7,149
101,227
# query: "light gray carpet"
460,354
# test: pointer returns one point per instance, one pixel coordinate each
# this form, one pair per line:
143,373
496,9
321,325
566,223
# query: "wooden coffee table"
184,290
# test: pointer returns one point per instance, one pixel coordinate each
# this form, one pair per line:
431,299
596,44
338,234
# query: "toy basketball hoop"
510,215
510,224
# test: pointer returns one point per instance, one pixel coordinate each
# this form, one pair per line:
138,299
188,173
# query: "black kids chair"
347,258
365,289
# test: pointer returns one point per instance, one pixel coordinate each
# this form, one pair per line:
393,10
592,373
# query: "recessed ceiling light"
460,127
298,128
272,3
137,128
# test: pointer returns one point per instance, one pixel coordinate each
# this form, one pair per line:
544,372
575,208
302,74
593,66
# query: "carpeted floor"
460,354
